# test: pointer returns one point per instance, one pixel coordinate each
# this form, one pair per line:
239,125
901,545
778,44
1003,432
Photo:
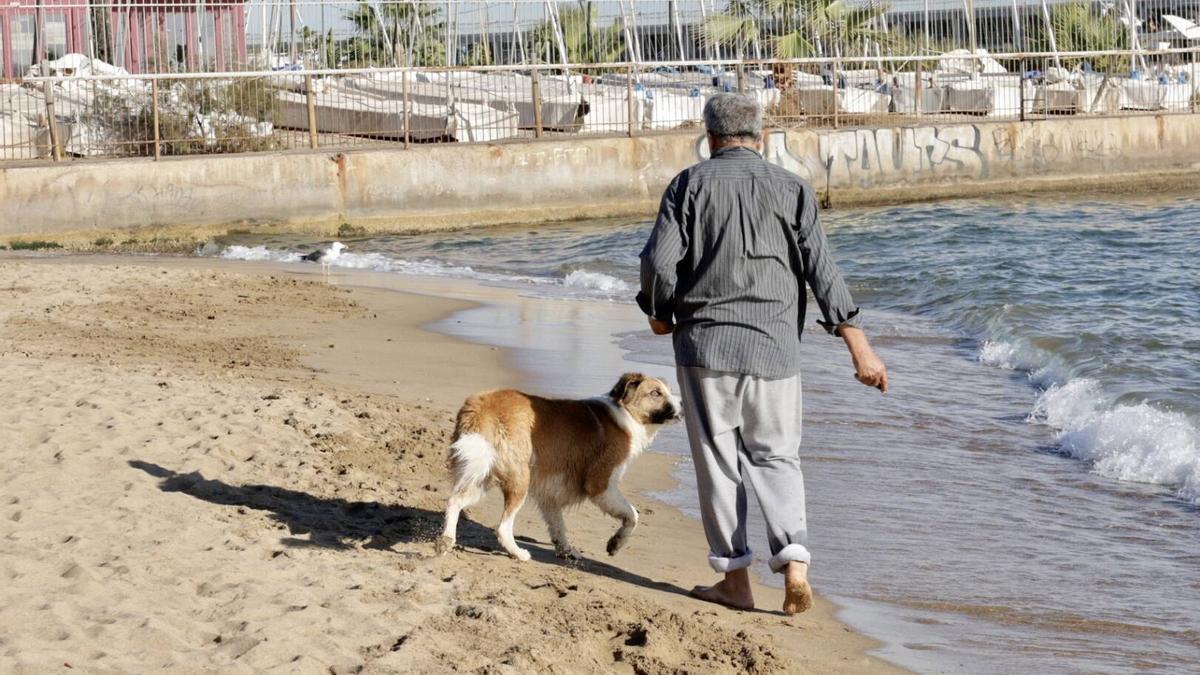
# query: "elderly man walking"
724,270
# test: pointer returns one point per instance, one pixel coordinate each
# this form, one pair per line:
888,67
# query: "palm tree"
583,40
796,28
1078,28
399,33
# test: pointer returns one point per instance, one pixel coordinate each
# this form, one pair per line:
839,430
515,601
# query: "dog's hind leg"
472,456
553,516
463,498
514,498
614,503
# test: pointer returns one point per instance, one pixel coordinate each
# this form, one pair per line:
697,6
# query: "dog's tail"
472,457
472,454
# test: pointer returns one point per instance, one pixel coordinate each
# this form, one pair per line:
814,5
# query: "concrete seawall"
432,187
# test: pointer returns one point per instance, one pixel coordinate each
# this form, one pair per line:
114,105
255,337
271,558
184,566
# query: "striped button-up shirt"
735,241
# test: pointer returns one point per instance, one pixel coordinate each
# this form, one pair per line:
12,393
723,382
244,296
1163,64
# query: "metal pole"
537,104
926,26
154,108
311,100
407,118
56,150
629,100
292,32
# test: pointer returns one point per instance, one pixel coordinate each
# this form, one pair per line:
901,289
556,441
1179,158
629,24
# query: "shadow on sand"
339,524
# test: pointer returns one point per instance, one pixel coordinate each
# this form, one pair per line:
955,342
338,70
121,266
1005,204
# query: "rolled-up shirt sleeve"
821,272
663,251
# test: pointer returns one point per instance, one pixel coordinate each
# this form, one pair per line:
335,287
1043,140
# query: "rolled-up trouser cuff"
724,565
789,553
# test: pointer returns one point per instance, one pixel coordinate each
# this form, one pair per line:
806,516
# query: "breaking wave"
1130,442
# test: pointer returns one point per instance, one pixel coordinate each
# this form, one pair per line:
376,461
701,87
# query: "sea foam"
1130,442
577,284
596,281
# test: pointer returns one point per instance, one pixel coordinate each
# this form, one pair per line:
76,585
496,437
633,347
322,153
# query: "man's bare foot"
733,591
798,595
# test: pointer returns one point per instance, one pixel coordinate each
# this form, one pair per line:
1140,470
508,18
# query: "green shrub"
32,245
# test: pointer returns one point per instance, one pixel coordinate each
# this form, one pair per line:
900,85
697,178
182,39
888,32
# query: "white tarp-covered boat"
608,110
345,111
563,106
664,109
1155,95
991,96
820,100
905,92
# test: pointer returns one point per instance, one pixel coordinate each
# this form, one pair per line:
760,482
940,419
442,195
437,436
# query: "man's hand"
868,368
661,327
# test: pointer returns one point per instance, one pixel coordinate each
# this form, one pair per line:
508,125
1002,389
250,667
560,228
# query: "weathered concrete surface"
441,186
1008,154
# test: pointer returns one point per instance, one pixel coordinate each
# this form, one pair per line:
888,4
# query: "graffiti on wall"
867,157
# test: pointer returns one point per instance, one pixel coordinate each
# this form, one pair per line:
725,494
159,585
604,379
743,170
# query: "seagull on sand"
325,256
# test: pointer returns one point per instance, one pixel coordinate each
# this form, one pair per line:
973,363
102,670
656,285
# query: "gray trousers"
746,429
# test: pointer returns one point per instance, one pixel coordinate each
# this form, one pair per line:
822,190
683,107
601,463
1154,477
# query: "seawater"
1027,497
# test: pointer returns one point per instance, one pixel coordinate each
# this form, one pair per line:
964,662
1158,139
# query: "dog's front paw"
443,545
521,554
615,543
568,553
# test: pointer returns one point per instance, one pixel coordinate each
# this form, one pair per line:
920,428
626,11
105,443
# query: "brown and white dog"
561,452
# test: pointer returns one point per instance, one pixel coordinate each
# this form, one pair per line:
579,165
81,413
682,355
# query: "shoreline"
354,359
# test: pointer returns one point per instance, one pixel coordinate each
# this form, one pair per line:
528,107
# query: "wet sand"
234,467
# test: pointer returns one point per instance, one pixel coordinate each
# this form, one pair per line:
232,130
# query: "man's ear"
625,386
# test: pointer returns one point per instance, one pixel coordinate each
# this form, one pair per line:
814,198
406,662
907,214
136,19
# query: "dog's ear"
625,386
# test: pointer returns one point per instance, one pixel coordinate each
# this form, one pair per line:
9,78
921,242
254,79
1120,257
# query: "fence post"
311,100
154,109
1192,81
629,107
537,103
1021,116
407,118
837,67
918,104
55,149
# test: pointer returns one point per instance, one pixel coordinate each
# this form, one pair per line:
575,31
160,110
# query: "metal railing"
164,114
167,36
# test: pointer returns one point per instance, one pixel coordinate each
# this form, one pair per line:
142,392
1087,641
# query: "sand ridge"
182,492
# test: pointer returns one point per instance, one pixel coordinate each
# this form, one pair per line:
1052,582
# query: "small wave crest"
1138,443
597,281
578,283
256,253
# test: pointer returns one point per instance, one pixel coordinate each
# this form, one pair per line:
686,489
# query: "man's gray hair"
733,116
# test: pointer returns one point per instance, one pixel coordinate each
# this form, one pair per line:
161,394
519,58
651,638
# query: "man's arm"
663,251
839,315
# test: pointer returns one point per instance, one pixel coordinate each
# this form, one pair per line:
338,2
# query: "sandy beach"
213,466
